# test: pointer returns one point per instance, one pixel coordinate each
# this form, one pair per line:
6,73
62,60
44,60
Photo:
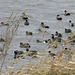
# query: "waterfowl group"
52,41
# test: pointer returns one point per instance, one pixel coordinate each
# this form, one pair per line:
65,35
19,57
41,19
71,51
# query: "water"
38,11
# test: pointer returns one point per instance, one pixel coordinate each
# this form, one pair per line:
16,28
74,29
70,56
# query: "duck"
26,45
52,54
32,52
73,41
26,22
38,41
1,50
53,45
71,24
58,34
67,49
29,33
56,38
71,37
25,18
68,30
53,37
58,17
59,39
41,31
18,54
2,40
49,41
43,25
66,13
4,24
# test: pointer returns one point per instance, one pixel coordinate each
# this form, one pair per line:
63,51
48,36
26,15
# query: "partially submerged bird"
4,24
26,22
18,54
66,13
52,54
29,33
43,25
26,45
31,53
71,24
58,17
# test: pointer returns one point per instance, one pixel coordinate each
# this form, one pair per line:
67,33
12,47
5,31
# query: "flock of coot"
57,36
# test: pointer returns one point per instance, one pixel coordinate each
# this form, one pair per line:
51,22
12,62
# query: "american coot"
71,24
58,17
31,53
26,22
49,41
66,13
73,41
1,50
56,38
26,45
68,30
52,54
25,18
2,40
58,34
67,49
43,25
29,33
53,37
18,54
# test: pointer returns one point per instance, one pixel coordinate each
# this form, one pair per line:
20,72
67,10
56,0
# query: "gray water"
38,11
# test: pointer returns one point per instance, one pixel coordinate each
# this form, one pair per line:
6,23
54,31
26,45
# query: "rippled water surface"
38,11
